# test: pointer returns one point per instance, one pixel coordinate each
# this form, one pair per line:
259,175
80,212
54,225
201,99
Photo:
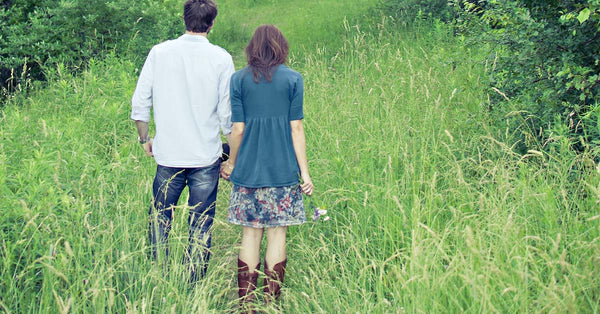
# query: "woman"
267,157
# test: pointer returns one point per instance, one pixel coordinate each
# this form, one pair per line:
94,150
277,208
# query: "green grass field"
431,210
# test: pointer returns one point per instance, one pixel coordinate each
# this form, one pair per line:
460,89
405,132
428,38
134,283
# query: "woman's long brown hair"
267,49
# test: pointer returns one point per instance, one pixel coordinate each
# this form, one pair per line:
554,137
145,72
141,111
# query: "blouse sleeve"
297,99
235,91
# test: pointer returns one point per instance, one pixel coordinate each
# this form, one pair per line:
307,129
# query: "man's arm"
141,103
224,105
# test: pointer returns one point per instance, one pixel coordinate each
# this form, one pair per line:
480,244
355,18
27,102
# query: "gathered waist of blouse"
272,121
267,117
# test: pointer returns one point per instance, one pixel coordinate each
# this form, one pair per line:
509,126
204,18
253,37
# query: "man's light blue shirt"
186,82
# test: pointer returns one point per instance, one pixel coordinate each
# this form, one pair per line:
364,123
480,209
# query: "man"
186,81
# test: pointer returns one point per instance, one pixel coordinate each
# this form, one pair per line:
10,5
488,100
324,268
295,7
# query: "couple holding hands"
196,95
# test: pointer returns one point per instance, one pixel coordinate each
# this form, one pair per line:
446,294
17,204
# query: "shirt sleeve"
237,109
297,99
141,102
224,105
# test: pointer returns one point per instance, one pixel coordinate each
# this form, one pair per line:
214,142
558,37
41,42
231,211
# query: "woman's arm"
299,141
235,140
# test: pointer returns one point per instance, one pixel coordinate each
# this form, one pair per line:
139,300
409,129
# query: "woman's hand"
226,170
307,185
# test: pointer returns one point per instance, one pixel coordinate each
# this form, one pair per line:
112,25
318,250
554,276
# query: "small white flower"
320,212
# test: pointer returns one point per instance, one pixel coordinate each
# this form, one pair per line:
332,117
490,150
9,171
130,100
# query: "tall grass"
431,211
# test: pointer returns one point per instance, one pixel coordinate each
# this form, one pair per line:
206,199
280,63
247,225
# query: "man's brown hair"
267,49
198,15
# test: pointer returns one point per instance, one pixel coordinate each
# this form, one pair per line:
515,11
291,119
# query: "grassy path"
430,209
306,24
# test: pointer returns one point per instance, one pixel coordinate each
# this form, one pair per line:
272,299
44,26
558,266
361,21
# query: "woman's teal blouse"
266,157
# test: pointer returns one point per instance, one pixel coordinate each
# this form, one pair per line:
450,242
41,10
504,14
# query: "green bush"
546,63
43,33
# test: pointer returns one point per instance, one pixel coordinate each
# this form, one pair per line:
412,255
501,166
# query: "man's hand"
142,128
148,148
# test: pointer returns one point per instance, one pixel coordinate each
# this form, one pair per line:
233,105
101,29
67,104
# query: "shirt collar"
196,38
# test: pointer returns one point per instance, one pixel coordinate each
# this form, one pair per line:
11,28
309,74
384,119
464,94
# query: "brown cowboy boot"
246,285
273,281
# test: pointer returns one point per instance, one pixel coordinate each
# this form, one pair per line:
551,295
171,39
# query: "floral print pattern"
266,207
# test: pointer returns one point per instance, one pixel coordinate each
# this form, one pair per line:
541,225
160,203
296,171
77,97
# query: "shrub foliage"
545,63
35,34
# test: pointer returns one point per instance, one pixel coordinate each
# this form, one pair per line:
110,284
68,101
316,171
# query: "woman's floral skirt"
266,207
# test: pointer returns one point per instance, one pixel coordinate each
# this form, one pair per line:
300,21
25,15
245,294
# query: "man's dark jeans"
168,185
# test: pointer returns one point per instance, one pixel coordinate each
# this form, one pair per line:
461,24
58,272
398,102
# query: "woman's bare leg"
250,247
276,251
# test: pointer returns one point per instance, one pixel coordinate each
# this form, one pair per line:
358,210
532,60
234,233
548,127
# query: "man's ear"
211,26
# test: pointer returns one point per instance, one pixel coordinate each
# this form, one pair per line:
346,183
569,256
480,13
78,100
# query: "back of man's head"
198,15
